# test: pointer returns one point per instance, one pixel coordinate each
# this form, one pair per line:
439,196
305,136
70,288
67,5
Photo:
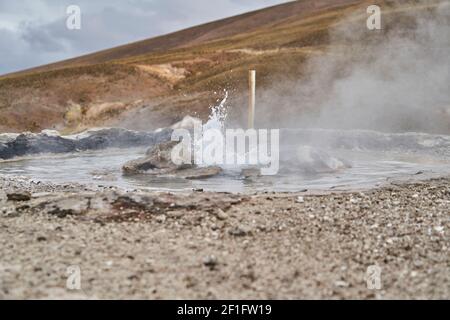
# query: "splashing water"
216,122
218,115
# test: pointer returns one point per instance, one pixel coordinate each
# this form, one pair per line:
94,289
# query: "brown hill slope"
229,27
155,82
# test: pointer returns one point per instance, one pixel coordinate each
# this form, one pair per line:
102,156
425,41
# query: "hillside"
152,83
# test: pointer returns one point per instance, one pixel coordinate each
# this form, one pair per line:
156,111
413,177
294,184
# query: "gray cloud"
33,32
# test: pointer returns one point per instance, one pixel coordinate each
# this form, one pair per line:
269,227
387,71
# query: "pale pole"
252,99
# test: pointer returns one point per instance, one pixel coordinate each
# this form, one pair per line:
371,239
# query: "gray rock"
312,160
120,138
188,122
221,215
198,173
251,172
158,162
26,144
49,142
158,159
240,231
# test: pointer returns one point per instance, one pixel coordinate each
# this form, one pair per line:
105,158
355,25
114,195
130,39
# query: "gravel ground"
222,246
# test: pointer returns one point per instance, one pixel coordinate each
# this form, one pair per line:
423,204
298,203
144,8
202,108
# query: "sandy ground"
221,246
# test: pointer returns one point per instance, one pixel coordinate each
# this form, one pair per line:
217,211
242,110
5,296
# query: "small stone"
341,284
239,231
251,172
439,229
161,219
221,215
210,262
175,214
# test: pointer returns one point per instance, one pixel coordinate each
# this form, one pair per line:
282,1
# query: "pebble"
341,284
221,215
239,231
300,200
211,261
161,218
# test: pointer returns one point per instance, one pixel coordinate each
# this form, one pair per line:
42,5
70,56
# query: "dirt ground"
222,246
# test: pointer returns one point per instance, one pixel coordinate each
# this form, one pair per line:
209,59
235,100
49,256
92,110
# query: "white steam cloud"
393,80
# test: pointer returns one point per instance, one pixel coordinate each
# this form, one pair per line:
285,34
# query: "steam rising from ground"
394,80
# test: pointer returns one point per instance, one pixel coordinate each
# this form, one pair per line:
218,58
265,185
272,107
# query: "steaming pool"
374,159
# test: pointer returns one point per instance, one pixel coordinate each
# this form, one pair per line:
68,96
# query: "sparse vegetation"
276,41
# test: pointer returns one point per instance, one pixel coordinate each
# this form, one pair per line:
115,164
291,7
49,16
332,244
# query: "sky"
34,32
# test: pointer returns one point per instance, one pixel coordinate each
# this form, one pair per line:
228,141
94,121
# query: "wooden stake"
252,99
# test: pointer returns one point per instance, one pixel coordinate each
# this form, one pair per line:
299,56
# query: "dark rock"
26,144
19,196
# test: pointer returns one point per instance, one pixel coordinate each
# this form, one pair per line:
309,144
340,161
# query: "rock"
19,196
159,162
239,231
51,133
317,161
162,150
198,173
188,122
211,262
300,200
161,218
439,229
221,215
51,142
119,138
158,159
251,172
103,176
26,144
341,284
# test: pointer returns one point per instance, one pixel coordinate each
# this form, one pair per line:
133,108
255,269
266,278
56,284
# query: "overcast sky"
34,32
